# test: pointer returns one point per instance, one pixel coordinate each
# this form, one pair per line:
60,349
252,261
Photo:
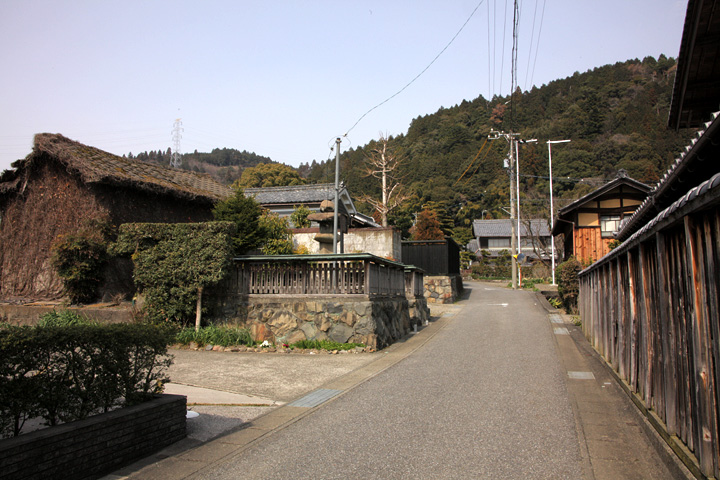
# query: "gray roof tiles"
503,228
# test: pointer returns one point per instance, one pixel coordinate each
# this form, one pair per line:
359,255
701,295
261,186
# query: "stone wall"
384,242
92,447
419,311
443,288
375,321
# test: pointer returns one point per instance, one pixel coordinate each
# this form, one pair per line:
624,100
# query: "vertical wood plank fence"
651,309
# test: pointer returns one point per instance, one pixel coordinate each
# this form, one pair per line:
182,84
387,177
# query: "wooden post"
198,309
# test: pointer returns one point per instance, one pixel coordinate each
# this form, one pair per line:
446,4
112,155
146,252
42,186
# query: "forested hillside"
224,164
615,115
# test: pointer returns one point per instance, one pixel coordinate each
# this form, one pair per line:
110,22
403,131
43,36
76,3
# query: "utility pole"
336,205
552,212
176,136
517,185
513,236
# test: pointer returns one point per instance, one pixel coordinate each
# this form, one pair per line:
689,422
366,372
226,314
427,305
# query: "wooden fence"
435,257
346,274
651,309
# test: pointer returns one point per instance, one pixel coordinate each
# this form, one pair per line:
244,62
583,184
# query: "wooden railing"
414,278
344,274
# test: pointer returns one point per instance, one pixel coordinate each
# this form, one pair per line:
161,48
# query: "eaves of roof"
697,162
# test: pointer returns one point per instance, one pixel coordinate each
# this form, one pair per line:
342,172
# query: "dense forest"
224,164
614,115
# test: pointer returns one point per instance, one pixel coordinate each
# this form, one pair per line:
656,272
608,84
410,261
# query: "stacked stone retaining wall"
443,288
375,321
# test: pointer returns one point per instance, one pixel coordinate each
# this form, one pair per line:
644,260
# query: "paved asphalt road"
486,398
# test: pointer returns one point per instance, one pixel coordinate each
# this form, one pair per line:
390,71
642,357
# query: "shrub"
68,372
245,213
277,238
173,262
493,267
299,217
568,283
79,259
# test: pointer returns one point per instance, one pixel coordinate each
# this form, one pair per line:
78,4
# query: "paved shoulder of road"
495,387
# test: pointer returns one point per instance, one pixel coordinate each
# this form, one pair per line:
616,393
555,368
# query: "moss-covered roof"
95,166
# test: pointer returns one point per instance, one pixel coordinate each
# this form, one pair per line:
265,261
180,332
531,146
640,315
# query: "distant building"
284,200
589,224
495,235
362,235
62,185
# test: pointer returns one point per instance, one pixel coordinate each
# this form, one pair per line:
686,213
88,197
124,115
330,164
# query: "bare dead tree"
540,244
382,163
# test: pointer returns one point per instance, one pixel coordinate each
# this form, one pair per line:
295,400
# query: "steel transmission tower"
176,136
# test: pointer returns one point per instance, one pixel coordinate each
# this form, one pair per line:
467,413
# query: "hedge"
68,372
174,262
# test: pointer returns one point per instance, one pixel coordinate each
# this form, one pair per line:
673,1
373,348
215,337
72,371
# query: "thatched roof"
95,166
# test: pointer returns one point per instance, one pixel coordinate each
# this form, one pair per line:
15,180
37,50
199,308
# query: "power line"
418,75
537,46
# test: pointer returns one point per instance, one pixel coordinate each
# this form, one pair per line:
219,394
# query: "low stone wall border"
90,448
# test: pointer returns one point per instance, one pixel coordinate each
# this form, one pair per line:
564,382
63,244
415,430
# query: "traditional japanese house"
62,186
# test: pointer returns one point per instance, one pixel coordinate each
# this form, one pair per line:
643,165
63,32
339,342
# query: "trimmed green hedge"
173,262
63,373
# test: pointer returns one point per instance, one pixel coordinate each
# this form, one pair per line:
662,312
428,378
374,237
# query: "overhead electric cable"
419,74
502,54
537,46
532,40
471,163
490,57
487,151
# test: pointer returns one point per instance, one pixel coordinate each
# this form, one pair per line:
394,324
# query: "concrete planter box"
90,448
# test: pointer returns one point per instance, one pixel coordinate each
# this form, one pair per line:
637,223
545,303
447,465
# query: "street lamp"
552,212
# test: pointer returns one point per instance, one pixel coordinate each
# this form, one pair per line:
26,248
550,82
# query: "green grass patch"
214,335
64,318
325,345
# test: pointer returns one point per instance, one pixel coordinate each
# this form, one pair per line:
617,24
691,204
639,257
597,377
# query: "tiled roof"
294,194
708,191
620,180
503,228
696,163
95,166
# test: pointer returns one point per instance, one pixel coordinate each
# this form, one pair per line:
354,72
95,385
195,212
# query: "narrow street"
491,395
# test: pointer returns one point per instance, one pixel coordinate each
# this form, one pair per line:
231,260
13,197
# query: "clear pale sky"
283,79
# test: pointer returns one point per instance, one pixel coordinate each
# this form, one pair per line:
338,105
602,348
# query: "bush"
568,283
299,217
493,267
277,238
245,213
172,262
64,373
79,259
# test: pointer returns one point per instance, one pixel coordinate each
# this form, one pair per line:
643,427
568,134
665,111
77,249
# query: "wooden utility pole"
494,135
